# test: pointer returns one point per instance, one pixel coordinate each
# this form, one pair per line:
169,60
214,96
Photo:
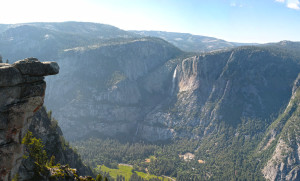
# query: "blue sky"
258,21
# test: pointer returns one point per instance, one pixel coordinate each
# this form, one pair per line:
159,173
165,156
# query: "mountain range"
158,87
191,43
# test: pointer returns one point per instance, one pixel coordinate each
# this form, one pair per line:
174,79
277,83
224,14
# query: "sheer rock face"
124,89
284,163
221,86
22,91
106,90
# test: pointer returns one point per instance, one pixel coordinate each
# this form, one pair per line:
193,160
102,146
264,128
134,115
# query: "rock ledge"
22,91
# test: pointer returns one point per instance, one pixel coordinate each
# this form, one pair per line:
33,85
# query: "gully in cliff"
22,91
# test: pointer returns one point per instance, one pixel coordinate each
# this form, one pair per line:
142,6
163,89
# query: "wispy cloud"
293,4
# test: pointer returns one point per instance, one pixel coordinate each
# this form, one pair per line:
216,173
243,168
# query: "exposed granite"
284,163
22,91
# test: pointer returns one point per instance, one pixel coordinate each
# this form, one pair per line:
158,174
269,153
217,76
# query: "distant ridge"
191,43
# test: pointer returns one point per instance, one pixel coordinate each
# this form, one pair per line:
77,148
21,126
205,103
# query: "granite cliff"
226,86
283,142
22,92
241,101
112,90
155,93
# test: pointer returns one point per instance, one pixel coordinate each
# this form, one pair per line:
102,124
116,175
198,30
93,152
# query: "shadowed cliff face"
22,90
101,89
283,141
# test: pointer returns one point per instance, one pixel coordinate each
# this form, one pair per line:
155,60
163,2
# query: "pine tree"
35,150
99,177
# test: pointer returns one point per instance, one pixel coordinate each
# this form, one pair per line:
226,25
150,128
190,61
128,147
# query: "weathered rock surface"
219,87
33,67
141,88
21,95
284,133
102,89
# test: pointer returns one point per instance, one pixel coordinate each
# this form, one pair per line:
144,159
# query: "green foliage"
16,177
113,173
51,162
109,152
136,177
64,143
229,154
49,113
116,77
124,172
99,177
120,178
35,151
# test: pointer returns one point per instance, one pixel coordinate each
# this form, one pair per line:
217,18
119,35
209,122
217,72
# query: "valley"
127,96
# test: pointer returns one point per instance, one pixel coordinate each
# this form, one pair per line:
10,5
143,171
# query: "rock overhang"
22,92
25,71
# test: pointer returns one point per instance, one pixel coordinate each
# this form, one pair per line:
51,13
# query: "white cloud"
293,4
233,4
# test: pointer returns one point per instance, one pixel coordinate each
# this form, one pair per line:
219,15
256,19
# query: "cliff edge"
22,91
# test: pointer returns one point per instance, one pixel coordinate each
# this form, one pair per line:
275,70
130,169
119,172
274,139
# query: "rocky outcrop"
22,91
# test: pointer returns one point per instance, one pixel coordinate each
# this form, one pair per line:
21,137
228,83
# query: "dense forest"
217,157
